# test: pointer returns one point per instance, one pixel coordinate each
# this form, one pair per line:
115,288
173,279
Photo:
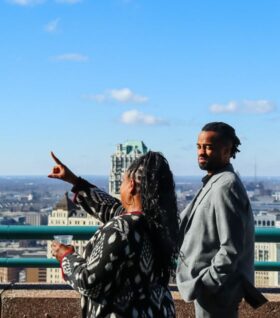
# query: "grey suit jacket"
217,236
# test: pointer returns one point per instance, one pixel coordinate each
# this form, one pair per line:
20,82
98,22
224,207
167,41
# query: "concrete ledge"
40,304
269,310
54,303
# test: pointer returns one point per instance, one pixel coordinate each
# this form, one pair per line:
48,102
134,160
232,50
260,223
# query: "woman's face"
125,190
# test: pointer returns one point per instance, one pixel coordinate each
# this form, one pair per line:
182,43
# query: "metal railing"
18,232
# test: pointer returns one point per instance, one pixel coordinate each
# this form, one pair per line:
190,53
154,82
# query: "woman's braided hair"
155,183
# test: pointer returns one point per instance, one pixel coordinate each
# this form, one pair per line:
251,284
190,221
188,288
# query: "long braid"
157,188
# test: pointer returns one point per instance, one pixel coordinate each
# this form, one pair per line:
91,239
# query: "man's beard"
208,165
203,166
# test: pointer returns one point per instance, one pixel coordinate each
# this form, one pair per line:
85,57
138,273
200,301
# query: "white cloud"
259,106
52,26
25,3
133,116
245,106
228,108
71,57
123,95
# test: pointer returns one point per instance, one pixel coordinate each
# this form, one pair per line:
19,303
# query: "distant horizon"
107,176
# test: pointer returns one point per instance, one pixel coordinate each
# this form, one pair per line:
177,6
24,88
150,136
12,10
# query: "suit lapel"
201,195
185,217
197,200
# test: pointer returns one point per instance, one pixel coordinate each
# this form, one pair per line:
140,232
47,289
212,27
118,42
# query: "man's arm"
231,210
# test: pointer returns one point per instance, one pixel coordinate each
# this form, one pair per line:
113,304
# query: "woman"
127,264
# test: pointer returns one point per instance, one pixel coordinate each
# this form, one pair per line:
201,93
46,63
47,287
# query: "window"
266,255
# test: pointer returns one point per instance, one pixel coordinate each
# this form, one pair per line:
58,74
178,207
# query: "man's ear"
227,150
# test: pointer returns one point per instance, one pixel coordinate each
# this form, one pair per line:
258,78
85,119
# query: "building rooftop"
134,146
66,204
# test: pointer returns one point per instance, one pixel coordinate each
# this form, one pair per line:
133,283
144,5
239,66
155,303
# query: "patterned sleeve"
96,276
96,202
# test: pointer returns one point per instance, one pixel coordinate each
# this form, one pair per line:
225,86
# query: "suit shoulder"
229,179
228,175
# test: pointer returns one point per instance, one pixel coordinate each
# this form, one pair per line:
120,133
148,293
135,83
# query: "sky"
78,77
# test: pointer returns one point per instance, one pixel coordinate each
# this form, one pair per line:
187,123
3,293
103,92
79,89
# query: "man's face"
212,153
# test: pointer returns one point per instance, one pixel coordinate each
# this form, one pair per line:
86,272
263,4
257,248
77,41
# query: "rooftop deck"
59,301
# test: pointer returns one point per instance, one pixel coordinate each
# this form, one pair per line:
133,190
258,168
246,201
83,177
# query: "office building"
125,154
266,251
66,213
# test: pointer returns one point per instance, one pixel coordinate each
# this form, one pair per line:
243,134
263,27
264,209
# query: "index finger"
56,159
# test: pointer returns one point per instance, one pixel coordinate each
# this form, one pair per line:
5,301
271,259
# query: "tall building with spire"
66,213
125,154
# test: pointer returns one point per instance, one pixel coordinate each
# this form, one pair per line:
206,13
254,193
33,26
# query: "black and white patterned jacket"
117,274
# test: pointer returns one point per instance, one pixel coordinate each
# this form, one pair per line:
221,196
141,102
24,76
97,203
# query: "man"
217,230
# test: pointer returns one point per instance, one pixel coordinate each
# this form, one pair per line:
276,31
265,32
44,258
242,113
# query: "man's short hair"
226,133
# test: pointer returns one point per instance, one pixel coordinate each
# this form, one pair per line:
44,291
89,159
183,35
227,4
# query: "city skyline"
80,77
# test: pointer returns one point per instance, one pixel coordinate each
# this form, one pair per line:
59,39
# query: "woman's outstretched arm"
92,199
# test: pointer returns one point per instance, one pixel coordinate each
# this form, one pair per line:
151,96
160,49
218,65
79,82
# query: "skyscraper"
125,154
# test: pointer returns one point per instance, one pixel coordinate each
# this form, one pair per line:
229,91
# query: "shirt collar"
206,178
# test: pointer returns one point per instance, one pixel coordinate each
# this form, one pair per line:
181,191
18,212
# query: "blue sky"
78,77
